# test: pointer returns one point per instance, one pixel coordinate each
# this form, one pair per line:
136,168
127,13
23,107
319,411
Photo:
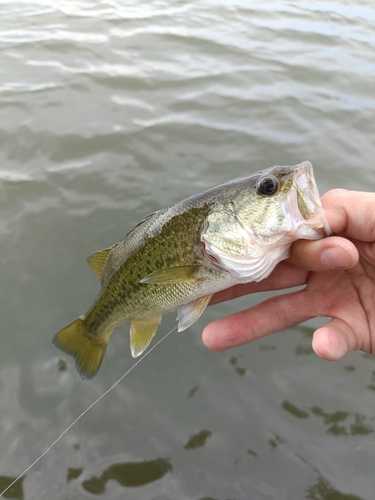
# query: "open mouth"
308,201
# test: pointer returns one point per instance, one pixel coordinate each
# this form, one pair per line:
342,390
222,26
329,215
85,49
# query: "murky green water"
108,111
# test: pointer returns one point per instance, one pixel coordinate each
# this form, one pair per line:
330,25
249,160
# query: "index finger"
351,213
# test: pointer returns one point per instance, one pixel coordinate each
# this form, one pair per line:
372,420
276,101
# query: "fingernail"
336,258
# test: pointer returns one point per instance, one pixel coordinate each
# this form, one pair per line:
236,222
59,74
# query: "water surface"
109,111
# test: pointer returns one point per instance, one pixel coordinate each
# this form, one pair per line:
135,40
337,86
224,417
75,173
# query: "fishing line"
87,409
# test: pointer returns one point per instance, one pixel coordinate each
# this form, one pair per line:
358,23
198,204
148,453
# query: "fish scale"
178,257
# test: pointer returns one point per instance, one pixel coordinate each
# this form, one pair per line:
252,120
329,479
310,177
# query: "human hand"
339,274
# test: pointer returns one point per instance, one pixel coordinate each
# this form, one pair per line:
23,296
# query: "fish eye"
267,186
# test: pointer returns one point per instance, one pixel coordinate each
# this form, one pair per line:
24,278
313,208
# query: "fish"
178,257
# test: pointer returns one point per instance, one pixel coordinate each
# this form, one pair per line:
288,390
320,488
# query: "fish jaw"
307,215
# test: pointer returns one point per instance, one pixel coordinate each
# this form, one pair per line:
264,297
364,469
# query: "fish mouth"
305,203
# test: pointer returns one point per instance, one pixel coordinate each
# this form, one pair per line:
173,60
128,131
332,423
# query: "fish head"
250,230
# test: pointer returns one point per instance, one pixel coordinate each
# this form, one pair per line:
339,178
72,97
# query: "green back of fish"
154,245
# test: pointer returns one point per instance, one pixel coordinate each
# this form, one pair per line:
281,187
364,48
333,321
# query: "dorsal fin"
140,223
98,260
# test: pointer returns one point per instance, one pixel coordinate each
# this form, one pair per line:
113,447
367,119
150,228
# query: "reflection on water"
371,386
109,111
15,491
239,369
275,441
62,365
360,426
303,349
193,391
324,491
130,474
296,412
73,473
197,440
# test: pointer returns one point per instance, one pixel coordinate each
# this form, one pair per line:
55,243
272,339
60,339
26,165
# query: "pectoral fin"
98,260
141,334
189,313
172,275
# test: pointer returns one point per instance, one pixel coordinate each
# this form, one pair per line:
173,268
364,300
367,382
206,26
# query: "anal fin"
141,334
189,313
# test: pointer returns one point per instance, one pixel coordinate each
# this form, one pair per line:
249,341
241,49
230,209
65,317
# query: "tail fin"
88,350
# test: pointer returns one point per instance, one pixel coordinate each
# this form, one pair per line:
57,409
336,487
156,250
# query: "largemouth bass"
178,257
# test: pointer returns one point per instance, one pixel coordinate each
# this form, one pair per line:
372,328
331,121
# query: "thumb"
333,252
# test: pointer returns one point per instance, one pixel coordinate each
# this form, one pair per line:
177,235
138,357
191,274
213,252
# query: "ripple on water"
110,110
